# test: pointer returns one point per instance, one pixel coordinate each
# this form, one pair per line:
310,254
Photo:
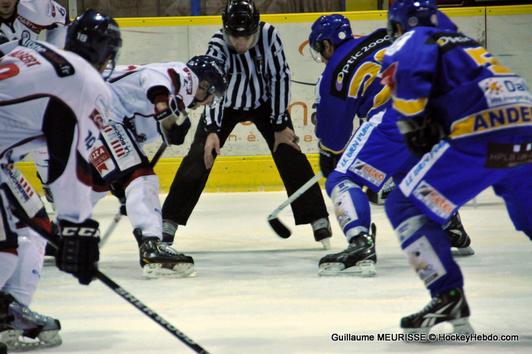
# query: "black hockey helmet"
240,18
210,69
95,37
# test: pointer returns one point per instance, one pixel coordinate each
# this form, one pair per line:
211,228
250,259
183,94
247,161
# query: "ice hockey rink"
257,293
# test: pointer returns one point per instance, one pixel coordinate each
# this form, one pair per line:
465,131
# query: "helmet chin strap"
253,43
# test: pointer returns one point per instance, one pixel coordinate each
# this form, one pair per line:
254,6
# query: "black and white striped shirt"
255,77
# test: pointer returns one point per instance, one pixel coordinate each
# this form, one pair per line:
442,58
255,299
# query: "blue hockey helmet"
210,69
95,37
335,28
407,14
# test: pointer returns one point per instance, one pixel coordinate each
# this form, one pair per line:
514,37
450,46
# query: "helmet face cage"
95,37
407,14
211,70
334,28
240,18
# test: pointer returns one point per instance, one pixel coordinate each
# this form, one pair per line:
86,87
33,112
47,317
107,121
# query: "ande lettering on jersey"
25,57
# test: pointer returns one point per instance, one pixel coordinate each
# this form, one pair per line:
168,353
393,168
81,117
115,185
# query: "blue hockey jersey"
451,77
349,88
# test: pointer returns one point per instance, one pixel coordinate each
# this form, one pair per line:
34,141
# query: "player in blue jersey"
349,88
472,117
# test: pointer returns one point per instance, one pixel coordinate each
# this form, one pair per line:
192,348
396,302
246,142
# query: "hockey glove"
78,252
328,161
177,133
420,134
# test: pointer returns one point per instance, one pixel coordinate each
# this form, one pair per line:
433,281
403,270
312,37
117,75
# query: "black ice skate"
358,259
169,230
460,241
450,306
322,232
157,259
22,329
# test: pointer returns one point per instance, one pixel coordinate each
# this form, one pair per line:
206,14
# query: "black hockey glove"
420,134
78,252
176,135
328,161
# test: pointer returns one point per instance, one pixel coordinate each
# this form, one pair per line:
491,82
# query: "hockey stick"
123,293
118,216
280,229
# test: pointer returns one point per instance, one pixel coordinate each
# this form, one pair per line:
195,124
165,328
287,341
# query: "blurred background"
151,8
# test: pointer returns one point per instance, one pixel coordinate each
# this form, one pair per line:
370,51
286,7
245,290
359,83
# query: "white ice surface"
257,293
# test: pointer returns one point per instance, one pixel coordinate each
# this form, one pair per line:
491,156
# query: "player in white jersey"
56,99
149,103
26,19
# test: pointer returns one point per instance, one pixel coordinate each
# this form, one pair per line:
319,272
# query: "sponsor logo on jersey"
447,41
99,157
492,119
368,172
25,57
97,118
32,26
500,91
61,66
422,167
356,143
434,200
345,70
22,189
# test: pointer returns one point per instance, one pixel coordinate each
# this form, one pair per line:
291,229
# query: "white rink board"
159,44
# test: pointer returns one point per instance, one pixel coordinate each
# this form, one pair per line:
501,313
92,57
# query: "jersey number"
8,70
483,58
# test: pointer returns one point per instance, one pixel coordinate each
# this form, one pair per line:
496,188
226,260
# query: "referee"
258,91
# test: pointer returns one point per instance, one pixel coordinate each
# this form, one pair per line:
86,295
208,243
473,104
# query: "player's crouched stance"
443,81
149,102
56,100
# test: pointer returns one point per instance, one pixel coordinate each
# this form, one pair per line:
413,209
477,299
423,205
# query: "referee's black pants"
293,166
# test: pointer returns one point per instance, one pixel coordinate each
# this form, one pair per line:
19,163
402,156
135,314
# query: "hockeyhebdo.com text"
424,337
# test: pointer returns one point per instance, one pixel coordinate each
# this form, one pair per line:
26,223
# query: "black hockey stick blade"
280,229
52,240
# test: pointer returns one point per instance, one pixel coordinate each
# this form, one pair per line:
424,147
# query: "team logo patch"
434,200
368,172
425,261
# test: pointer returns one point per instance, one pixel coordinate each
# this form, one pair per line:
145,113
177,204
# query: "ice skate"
158,259
450,306
25,329
358,259
460,241
322,232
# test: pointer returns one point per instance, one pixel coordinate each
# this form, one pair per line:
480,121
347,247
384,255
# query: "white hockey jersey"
38,79
130,86
33,16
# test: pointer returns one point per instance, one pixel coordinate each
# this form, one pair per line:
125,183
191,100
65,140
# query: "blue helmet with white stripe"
333,28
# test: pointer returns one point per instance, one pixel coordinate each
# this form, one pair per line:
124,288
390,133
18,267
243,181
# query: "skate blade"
463,252
10,337
45,339
462,326
158,270
363,269
326,243
49,261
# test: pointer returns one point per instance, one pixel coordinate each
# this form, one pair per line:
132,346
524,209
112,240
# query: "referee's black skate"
450,306
322,232
358,259
158,259
23,329
460,241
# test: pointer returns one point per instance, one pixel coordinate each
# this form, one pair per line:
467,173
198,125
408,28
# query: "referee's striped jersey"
255,77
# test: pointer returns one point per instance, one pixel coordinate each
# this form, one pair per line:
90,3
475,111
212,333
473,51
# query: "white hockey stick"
280,229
